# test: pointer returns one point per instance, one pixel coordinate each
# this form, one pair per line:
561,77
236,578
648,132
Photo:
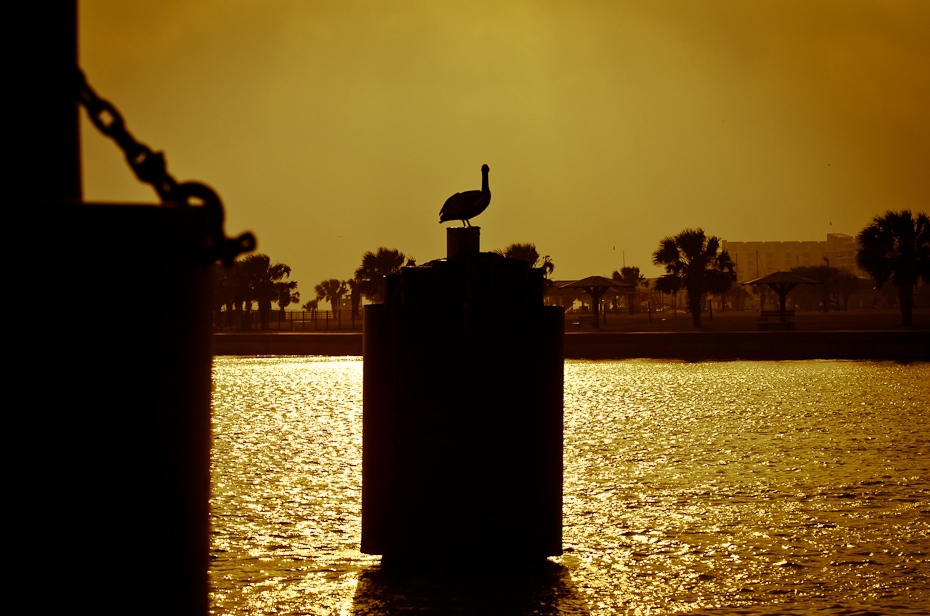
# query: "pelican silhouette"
466,205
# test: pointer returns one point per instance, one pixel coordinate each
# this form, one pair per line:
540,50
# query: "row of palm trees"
253,279
368,277
367,281
894,247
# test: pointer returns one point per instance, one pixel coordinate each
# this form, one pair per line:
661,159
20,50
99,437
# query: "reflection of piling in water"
463,379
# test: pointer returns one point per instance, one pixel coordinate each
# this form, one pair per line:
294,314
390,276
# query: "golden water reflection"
713,487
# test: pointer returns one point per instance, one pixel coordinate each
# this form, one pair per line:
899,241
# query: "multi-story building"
755,259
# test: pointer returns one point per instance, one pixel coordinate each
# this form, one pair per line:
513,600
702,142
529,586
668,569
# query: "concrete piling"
463,375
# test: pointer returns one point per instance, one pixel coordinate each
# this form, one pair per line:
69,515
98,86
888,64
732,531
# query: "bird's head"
485,168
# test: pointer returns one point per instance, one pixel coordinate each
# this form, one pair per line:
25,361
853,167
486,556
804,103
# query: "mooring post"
462,444
116,451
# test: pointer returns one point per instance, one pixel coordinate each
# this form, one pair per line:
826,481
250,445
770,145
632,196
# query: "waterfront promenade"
833,335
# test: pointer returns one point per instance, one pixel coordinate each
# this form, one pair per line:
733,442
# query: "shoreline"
895,345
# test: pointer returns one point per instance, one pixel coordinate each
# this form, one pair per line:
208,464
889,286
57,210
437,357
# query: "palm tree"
375,266
311,306
896,246
257,280
632,277
355,295
692,261
223,292
331,291
287,293
527,252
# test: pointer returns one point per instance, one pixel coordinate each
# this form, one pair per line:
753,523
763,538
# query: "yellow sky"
332,128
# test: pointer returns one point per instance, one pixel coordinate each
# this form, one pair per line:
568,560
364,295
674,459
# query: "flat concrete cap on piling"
462,242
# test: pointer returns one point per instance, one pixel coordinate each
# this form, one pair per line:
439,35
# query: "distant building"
755,259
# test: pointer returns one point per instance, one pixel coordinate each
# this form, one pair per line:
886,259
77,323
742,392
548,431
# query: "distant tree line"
527,252
252,281
835,288
632,279
894,247
368,279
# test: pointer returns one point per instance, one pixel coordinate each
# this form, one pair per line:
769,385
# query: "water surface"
713,487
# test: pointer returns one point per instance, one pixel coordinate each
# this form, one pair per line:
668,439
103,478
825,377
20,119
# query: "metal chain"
150,167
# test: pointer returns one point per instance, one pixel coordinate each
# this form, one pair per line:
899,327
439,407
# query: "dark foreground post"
112,401
121,410
463,374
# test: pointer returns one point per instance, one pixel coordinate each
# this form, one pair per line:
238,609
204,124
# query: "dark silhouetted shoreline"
833,335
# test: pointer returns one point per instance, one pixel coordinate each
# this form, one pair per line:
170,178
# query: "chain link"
150,167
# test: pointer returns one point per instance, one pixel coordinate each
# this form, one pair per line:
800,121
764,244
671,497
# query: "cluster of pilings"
463,375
